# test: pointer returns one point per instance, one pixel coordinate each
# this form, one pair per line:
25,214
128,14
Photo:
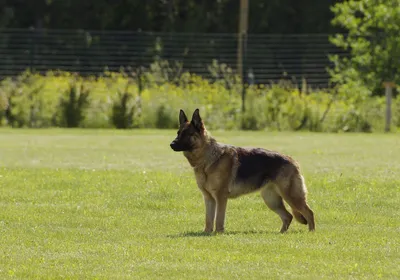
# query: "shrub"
117,100
165,117
73,104
25,103
124,108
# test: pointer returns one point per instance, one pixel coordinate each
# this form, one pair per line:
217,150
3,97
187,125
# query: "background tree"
272,16
88,44
373,28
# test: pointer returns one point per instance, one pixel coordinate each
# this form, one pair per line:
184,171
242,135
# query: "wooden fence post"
388,92
242,45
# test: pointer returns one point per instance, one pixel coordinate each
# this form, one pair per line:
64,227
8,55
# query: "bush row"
120,100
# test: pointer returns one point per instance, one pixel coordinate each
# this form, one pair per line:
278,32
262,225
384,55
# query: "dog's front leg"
222,200
210,204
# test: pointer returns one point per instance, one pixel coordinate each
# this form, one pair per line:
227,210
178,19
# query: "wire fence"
268,57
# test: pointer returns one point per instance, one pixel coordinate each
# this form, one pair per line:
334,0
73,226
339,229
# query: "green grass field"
92,204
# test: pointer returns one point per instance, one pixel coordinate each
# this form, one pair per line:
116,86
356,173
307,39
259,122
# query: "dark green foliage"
73,104
164,119
274,16
372,38
122,113
250,122
123,110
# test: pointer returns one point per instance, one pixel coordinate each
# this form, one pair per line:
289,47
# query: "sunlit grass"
120,204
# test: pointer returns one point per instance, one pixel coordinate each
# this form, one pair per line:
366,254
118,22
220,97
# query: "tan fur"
215,168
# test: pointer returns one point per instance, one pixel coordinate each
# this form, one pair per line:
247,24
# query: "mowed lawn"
108,204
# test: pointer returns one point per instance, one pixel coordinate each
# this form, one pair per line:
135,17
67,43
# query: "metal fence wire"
268,57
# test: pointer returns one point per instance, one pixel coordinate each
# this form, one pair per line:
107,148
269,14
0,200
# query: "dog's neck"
204,156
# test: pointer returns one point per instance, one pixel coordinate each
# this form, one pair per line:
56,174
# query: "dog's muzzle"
174,145
179,146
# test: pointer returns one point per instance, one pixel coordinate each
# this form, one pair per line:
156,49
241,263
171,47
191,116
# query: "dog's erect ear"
196,120
182,117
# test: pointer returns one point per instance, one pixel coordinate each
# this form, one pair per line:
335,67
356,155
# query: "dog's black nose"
175,146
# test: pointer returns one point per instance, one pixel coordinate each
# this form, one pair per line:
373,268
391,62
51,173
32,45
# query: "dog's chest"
202,182
216,174
208,182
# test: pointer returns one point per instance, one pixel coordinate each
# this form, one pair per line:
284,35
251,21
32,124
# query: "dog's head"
191,135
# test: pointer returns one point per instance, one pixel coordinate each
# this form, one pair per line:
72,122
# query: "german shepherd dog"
225,171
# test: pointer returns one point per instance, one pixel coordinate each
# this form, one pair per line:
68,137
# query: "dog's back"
259,166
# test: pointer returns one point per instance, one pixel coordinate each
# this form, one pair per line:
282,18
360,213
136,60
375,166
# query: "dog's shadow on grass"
191,234
246,232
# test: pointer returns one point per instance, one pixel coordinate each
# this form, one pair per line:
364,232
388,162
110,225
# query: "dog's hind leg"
295,196
299,217
302,207
275,203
